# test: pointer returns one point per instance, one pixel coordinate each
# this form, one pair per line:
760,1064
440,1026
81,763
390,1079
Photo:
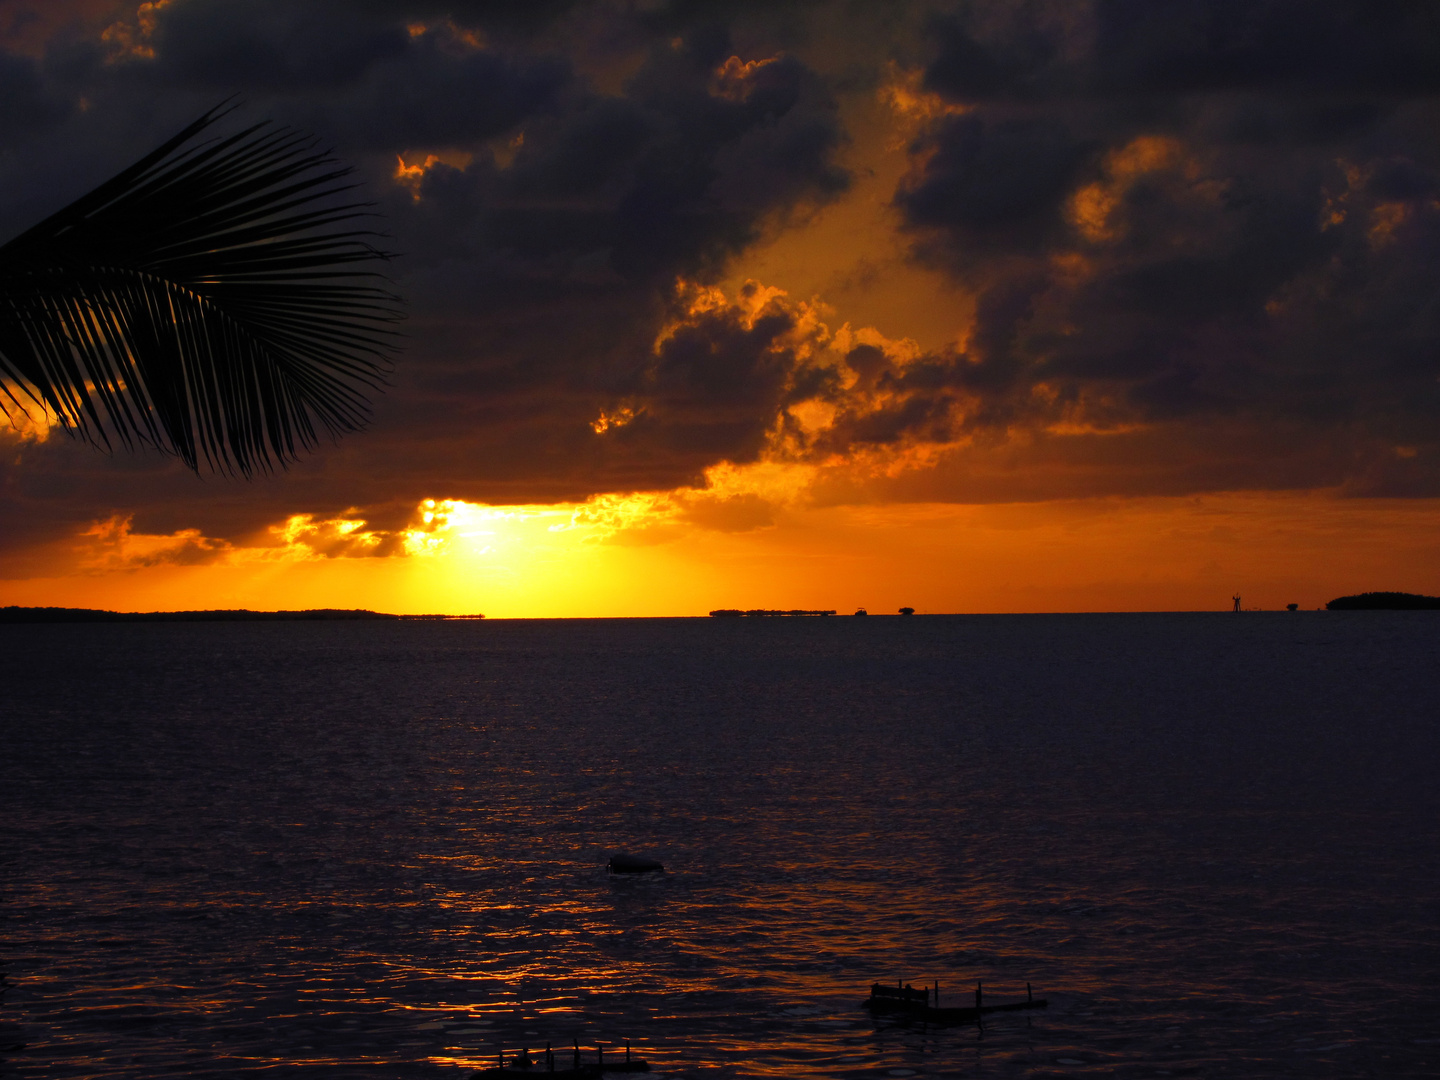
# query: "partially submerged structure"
911,1002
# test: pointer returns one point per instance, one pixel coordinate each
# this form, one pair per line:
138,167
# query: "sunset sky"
1002,305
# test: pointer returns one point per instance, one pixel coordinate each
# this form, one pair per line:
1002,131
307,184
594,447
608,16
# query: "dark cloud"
368,81
436,94
1206,212
550,208
997,184
513,15
26,103
685,166
1153,461
1345,46
109,545
1202,240
1037,50
716,384
268,45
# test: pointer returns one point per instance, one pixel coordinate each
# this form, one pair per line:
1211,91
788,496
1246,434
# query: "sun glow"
760,537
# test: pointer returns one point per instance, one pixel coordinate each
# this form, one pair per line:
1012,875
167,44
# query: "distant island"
93,615
764,613
1385,601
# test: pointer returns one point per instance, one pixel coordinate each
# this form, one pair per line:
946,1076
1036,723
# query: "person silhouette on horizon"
1237,601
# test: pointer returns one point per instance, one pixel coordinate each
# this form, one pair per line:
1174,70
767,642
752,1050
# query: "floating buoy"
632,864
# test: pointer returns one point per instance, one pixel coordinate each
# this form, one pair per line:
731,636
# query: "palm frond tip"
217,299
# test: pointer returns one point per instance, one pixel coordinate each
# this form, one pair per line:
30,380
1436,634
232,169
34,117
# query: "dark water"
334,850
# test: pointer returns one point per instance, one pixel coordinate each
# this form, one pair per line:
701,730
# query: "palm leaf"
217,299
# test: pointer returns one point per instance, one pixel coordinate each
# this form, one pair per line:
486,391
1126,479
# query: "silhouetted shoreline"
95,615
1385,601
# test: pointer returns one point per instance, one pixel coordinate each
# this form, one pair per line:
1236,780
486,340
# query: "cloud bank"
1200,240
1214,220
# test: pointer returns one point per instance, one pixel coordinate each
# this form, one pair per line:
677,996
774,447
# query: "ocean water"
1212,842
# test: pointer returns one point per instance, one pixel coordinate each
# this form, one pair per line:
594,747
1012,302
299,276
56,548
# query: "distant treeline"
1385,601
763,613
93,615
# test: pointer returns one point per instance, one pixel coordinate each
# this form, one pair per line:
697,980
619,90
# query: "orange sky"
640,557
1073,503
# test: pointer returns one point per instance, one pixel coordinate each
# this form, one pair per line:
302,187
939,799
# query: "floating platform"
908,1001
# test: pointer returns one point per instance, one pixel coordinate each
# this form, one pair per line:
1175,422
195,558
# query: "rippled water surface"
376,850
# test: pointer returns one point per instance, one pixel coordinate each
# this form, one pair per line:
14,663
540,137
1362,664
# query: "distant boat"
861,611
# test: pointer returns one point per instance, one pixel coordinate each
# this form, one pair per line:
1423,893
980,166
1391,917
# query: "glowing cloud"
133,39
412,176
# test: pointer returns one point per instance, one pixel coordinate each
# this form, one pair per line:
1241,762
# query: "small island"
1385,601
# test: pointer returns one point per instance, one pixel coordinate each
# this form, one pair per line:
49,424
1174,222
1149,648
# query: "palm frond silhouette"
217,299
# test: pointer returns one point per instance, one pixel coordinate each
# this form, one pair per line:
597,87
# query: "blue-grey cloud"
1199,213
